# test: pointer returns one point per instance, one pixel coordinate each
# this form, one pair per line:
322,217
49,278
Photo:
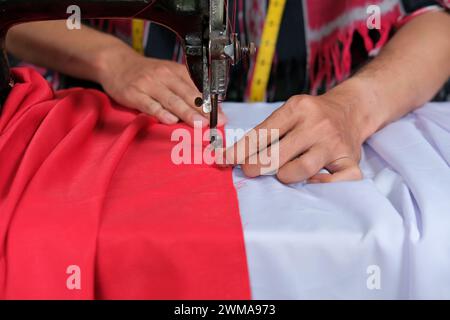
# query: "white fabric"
320,241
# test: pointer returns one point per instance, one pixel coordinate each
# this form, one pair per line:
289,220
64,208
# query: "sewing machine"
201,25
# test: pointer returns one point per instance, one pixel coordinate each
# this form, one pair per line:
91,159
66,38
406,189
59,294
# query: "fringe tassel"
330,60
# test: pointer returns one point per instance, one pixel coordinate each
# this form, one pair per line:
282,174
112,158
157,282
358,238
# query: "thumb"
343,169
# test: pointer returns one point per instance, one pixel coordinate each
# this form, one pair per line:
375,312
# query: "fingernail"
169,118
198,102
199,119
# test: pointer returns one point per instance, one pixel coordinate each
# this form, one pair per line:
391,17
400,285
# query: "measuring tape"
266,50
138,29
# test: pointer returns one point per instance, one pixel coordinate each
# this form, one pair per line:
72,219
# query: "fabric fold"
88,184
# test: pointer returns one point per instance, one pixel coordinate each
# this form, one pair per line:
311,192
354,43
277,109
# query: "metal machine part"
219,48
201,25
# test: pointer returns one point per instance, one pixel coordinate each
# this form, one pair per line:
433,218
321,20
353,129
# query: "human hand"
316,133
160,88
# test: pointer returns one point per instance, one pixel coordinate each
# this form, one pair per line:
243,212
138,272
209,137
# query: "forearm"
408,72
50,44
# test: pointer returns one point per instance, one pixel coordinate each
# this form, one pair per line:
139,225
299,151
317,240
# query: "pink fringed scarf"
330,27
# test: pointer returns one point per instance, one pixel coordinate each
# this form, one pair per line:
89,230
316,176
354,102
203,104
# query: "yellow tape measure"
138,29
266,50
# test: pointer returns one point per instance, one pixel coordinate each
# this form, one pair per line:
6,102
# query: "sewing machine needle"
214,110
215,140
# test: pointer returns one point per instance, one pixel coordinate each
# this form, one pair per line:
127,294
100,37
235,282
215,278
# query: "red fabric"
88,183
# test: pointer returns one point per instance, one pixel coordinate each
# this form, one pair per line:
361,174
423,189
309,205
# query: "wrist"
361,101
108,57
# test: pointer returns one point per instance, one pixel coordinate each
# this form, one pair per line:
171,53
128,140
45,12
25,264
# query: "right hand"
159,88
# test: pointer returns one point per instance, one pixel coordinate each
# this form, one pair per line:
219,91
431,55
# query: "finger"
266,133
189,93
182,71
181,88
173,103
303,167
177,106
344,169
278,154
222,119
145,104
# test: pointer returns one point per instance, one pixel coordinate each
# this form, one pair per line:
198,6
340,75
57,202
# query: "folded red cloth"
88,192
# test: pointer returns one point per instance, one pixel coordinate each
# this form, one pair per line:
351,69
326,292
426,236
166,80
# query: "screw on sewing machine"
248,51
235,51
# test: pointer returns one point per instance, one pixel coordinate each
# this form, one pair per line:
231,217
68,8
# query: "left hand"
316,133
